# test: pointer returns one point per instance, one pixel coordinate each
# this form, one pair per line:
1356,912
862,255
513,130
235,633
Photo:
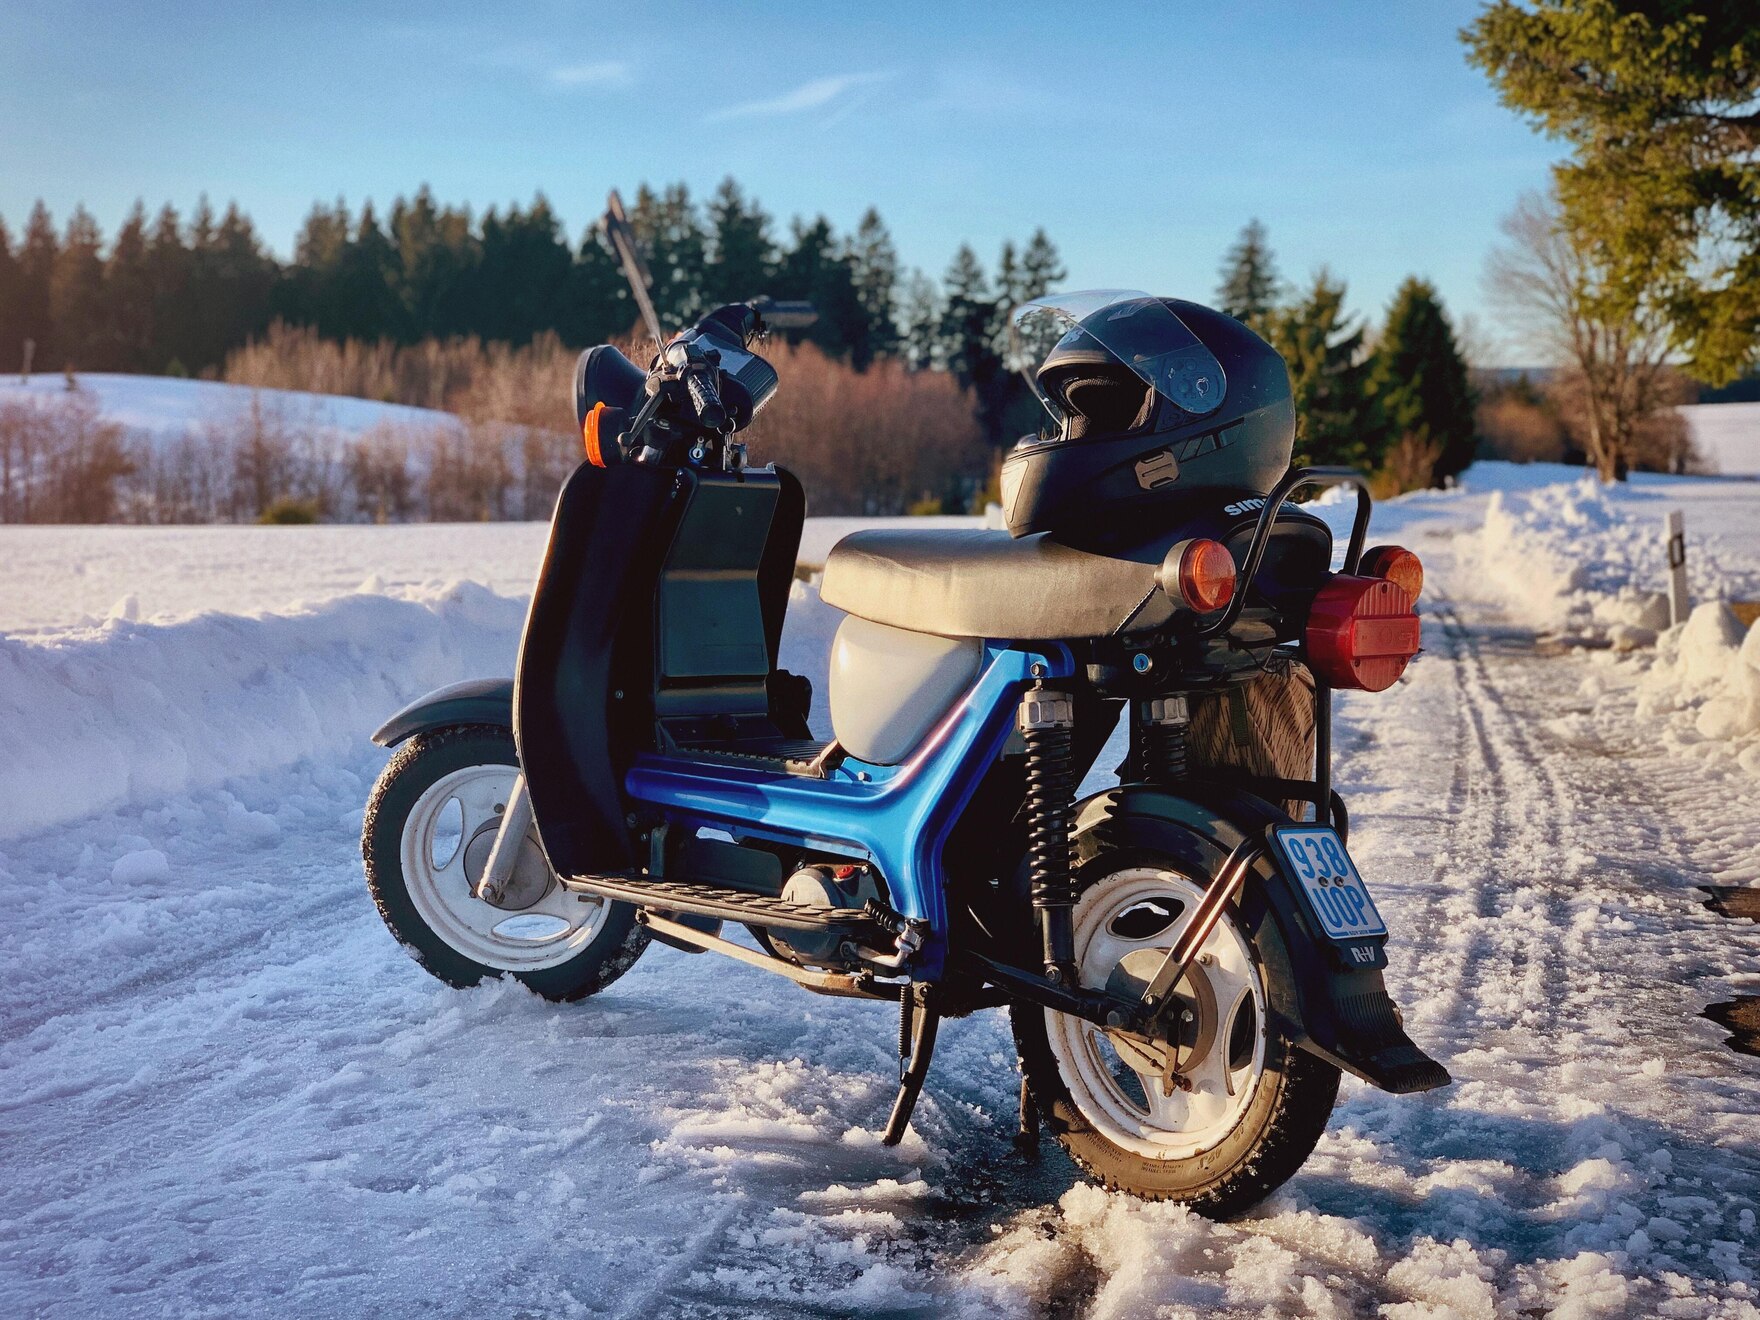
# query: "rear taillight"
1203,575
1362,633
1397,565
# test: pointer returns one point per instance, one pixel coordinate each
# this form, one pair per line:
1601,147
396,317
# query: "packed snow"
228,1091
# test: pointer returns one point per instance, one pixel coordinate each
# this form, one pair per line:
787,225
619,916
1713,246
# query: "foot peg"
919,1018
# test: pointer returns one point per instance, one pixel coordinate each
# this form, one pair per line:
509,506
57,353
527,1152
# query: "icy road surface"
224,1090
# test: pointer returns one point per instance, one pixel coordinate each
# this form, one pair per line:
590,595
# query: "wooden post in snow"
1678,604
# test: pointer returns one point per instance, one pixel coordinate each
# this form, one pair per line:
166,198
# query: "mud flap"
1341,1013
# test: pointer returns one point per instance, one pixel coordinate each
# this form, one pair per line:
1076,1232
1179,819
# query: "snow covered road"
227,1091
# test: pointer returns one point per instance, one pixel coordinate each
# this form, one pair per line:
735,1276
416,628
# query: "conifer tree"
1328,377
438,255
11,323
168,268
875,272
675,245
817,269
742,257
128,297
36,273
1250,286
1418,379
1657,102
76,293
1041,267
921,321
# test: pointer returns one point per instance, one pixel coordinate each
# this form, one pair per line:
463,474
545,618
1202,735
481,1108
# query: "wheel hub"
530,880
1190,1016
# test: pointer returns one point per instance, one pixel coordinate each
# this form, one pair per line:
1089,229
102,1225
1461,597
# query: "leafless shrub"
1519,428
871,442
1410,464
61,461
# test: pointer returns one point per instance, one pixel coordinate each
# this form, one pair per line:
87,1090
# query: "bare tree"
1614,374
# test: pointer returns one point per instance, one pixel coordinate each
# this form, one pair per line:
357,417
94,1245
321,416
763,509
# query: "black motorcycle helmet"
1151,400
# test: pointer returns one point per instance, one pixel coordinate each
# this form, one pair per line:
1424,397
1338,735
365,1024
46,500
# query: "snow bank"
1709,669
131,712
1587,564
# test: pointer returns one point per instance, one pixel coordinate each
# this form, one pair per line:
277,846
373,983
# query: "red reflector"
1361,633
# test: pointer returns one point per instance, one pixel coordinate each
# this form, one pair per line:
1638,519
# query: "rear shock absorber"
1162,723
1047,720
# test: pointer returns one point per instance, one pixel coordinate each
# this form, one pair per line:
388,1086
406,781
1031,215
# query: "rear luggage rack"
708,900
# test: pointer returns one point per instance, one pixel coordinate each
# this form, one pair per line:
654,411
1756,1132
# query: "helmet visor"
1135,329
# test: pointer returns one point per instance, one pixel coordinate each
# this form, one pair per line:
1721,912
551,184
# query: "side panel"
580,693
1343,1014
655,581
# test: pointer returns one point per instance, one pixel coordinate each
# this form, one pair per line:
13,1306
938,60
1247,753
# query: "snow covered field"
227,1091
164,408
1726,436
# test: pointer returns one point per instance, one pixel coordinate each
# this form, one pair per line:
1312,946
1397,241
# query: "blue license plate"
1336,893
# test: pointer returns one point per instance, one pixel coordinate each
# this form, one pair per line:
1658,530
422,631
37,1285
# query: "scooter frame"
897,817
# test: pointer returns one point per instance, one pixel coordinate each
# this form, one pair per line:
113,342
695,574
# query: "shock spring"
1047,723
1162,723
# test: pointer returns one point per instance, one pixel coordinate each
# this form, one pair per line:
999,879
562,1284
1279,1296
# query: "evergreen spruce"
76,294
128,298
1250,287
1418,380
36,273
874,270
742,257
920,322
1328,377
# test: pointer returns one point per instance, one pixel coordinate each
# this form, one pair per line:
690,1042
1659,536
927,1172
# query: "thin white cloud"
599,73
814,95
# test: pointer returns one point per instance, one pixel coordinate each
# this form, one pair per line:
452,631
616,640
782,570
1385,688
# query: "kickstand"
919,1019
1026,1137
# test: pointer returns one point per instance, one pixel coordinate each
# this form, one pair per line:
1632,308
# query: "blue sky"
1141,137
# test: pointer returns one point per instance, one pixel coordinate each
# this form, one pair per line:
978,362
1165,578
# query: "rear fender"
1341,1013
474,701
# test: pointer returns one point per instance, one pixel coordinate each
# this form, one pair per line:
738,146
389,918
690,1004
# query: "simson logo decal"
1244,506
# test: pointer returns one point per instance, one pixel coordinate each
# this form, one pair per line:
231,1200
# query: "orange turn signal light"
1206,575
1395,564
590,435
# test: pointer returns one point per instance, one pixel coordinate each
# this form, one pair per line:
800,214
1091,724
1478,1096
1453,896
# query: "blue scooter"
1188,967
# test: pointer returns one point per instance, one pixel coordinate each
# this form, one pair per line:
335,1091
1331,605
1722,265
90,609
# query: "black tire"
418,765
1272,1138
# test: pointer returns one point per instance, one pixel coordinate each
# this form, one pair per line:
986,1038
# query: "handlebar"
706,399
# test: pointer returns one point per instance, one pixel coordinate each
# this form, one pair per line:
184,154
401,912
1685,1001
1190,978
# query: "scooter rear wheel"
1215,1121
429,827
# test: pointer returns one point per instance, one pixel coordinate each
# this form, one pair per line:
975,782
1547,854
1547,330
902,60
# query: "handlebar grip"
706,399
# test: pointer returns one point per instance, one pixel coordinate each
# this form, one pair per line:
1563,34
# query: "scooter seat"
981,583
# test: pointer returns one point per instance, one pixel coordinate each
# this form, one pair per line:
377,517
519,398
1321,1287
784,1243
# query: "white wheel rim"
1097,1065
436,838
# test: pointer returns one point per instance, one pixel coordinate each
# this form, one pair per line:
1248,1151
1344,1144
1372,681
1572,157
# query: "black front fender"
1341,1013
474,701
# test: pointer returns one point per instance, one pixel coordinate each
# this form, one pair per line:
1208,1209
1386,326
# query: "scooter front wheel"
1216,1118
429,828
